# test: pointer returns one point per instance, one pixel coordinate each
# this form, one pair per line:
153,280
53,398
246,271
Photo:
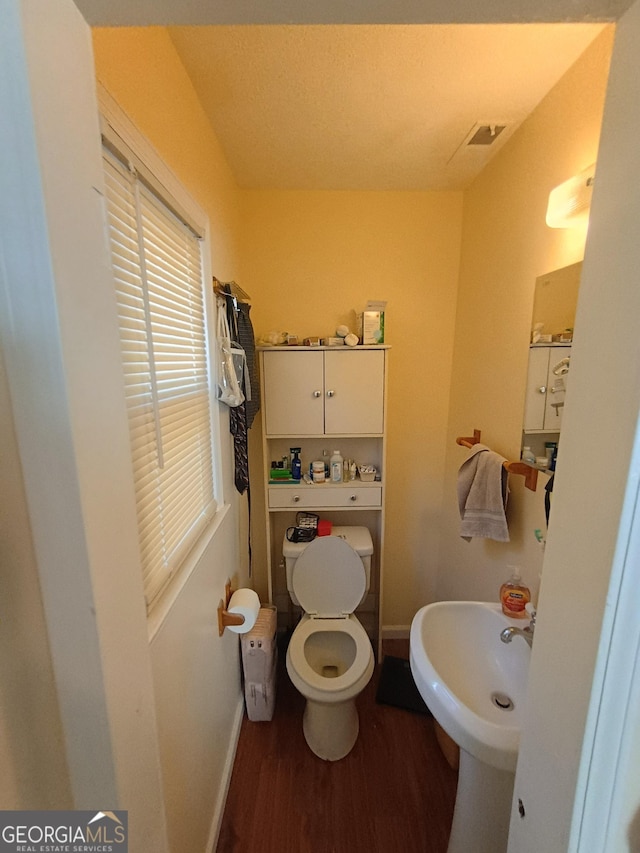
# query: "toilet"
330,658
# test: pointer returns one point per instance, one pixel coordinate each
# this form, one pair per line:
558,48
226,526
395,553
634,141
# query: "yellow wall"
506,246
141,70
310,259
459,357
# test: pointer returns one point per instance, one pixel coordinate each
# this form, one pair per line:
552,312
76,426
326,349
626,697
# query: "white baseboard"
396,632
218,812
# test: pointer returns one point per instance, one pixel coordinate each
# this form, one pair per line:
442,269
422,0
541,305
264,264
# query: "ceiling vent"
484,134
481,142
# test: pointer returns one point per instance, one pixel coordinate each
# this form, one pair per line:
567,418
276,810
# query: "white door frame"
608,789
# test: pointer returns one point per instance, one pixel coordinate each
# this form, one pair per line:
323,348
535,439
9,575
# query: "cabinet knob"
353,498
317,393
330,393
542,389
296,498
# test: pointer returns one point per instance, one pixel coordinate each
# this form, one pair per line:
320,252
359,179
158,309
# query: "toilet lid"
329,578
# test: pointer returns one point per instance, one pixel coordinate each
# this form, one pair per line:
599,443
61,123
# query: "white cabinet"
320,400
324,392
546,388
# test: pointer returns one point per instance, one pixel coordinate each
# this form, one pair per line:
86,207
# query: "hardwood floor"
393,792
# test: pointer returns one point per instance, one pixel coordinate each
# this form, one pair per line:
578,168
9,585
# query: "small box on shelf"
367,473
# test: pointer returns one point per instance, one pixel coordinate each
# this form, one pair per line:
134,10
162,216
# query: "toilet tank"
358,537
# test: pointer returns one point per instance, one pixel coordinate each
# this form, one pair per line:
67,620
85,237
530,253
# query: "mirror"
554,311
554,304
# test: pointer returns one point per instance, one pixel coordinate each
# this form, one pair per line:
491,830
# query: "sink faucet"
507,634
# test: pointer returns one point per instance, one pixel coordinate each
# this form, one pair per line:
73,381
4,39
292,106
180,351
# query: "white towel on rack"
482,495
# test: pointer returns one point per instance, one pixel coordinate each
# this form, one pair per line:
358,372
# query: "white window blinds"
159,284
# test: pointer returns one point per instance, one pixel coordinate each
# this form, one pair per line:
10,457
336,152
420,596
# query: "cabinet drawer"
316,497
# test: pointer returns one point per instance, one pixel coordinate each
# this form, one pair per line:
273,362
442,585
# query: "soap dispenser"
514,595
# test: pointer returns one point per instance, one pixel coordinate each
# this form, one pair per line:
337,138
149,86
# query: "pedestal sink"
475,686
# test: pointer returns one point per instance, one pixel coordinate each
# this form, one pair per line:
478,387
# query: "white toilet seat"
329,578
332,689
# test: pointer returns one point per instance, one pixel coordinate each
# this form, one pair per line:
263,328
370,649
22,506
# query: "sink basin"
474,684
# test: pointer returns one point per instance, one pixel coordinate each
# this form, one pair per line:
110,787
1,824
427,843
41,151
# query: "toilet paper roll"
244,602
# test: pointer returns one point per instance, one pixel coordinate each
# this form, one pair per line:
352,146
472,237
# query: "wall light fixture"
569,202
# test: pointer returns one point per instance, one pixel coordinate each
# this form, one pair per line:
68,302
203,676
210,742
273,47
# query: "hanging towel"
482,495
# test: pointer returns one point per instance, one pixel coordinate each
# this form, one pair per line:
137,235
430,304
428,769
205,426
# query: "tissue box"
372,323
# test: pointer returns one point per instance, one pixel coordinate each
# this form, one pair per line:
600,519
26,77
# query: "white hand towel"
482,495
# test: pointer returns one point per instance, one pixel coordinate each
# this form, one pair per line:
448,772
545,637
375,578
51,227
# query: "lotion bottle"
514,596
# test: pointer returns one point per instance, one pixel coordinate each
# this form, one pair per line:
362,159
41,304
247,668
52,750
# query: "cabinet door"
293,398
354,392
556,387
536,388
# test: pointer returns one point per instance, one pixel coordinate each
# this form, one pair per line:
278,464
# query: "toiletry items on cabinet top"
323,400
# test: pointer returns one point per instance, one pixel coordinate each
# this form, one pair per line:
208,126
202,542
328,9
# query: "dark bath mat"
397,687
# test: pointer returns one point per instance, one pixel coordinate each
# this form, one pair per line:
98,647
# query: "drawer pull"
317,393
296,498
353,498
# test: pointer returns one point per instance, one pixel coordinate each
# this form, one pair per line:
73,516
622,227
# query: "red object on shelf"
324,527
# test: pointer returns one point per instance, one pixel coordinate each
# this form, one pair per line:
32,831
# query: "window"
157,264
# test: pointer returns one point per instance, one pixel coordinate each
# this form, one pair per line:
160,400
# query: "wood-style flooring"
393,793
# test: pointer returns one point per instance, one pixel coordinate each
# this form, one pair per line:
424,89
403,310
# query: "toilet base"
330,730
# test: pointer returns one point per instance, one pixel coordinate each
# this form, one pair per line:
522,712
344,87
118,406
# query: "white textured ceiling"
370,106
371,94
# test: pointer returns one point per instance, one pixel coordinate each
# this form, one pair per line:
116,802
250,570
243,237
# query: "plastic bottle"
528,455
514,595
296,464
336,467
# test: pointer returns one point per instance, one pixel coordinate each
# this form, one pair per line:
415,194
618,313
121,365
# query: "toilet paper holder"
224,618
238,611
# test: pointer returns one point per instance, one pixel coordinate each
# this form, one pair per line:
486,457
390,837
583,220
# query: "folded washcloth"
482,495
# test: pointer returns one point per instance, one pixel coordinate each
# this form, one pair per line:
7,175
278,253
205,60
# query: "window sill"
161,608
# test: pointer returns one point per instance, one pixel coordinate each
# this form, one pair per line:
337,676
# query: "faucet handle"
531,610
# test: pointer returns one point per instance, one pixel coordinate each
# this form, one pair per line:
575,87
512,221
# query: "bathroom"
457,272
